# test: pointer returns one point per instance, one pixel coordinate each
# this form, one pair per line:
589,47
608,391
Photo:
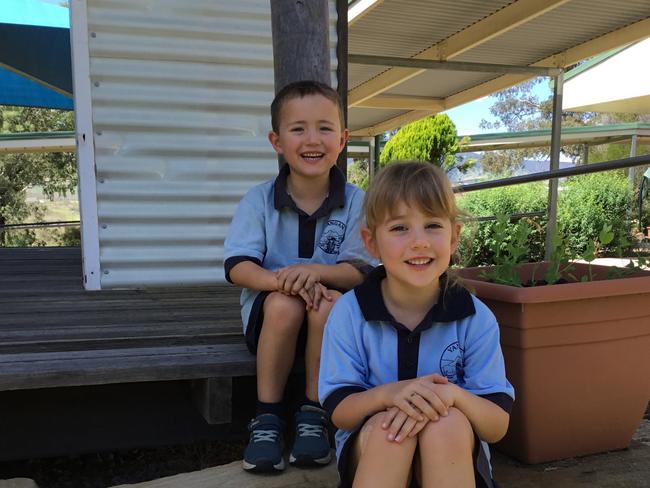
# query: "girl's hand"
400,425
418,398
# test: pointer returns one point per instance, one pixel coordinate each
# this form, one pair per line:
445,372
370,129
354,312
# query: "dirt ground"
120,467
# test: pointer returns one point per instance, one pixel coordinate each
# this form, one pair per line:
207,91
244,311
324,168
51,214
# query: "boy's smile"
415,248
309,135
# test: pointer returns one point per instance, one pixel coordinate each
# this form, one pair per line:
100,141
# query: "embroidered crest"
332,237
451,363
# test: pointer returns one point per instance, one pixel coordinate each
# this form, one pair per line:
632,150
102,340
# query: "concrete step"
232,476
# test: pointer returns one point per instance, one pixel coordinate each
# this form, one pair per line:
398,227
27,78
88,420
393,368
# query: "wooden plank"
213,399
42,370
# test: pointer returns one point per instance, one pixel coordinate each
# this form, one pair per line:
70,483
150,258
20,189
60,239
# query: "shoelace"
309,430
262,435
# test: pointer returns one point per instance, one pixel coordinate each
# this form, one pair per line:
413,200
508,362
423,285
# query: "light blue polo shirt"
271,231
364,346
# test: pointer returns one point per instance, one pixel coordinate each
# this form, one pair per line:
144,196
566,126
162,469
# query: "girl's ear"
369,241
455,236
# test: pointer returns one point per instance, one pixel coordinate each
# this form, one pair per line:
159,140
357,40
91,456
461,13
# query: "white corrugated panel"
180,109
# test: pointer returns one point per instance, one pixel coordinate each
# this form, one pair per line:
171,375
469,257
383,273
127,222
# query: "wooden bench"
55,334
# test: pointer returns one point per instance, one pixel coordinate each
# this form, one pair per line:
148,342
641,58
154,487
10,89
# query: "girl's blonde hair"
421,185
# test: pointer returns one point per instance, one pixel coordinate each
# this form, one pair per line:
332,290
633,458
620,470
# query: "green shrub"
586,203
432,139
477,241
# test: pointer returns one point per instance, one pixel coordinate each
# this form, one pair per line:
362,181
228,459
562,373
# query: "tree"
55,172
518,108
432,139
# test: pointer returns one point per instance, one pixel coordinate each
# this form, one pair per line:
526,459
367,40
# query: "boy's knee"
319,317
453,433
283,311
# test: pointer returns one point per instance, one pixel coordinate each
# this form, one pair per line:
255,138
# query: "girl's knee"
451,433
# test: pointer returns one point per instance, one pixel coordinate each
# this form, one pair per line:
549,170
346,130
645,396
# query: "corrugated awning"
519,34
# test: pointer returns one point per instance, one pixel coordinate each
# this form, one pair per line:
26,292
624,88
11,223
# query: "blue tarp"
35,60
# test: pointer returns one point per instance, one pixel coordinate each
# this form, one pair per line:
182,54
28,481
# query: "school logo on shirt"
332,237
451,363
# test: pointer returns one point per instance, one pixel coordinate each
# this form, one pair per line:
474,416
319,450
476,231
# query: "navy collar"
335,198
454,302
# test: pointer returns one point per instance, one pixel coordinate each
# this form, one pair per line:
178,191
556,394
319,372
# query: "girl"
412,373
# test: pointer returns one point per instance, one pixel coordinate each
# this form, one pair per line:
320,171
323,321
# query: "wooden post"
300,41
301,47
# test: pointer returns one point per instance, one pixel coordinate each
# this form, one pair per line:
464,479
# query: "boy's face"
414,247
310,136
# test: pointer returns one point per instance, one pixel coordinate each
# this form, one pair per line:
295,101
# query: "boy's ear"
274,139
369,242
345,135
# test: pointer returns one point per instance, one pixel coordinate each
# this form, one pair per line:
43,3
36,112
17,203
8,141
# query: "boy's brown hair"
301,89
418,184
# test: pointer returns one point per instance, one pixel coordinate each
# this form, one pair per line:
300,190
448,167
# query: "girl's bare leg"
380,462
445,453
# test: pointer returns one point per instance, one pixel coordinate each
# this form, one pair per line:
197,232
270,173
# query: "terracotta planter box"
578,355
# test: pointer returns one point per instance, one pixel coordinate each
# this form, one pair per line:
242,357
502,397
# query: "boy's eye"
326,129
397,228
433,225
296,129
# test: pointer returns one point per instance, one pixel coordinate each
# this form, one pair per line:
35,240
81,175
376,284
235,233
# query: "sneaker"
264,451
311,446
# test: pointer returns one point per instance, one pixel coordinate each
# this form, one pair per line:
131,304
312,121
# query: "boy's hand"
315,295
293,279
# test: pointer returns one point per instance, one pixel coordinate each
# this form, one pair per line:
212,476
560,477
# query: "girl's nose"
419,240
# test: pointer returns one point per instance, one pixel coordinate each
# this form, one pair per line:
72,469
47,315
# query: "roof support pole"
556,130
631,171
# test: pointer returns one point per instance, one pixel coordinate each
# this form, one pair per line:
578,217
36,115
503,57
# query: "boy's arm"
249,274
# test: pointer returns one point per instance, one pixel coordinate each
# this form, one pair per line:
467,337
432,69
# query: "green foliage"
478,245
432,140
55,172
589,203
358,173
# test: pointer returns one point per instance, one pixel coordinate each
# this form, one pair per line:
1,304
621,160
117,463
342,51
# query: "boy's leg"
316,326
311,445
445,452
276,349
380,462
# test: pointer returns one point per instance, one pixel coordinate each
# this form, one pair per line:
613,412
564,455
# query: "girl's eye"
433,225
398,228
326,129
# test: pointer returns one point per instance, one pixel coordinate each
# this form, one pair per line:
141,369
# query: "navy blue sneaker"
265,445
311,446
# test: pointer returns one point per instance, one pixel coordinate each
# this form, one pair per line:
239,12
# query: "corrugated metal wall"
180,104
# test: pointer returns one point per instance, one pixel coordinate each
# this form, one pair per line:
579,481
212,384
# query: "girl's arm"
489,421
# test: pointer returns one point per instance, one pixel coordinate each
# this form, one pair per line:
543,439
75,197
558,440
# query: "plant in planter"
576,350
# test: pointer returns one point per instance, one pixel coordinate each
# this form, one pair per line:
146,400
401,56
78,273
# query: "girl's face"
414,247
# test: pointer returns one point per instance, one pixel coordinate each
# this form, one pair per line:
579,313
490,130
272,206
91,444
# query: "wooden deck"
53,333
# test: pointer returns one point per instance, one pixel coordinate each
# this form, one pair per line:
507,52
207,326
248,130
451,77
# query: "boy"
292,243
412,370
